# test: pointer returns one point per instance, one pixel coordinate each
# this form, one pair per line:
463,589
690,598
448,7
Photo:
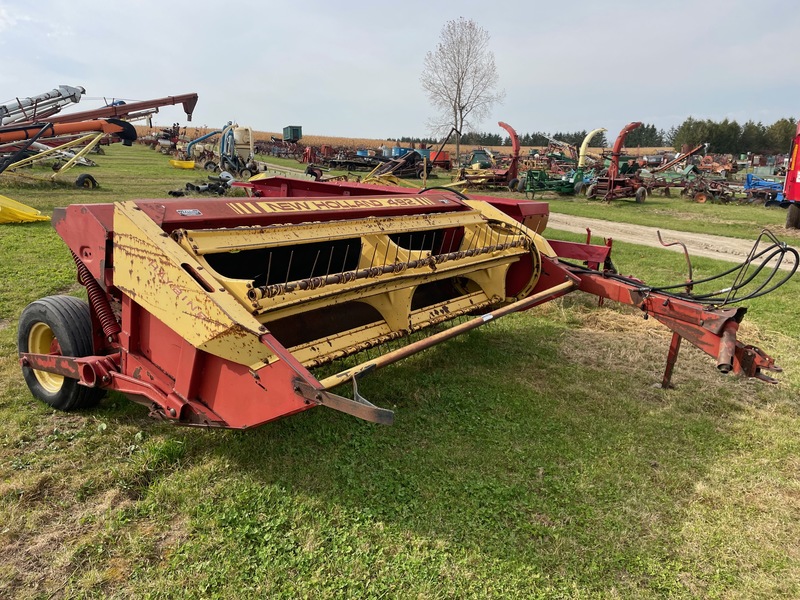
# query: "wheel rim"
41,340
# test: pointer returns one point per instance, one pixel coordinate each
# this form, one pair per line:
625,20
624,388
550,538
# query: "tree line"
415,140
728,137
574,138
723,137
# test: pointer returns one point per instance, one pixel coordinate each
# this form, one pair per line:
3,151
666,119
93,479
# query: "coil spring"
98,300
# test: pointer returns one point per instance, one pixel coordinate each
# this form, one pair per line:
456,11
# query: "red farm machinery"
505,176
790,198
627,179
88,133
33,132
619,180
233,312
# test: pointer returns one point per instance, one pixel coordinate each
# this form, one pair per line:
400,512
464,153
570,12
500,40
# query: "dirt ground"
698,244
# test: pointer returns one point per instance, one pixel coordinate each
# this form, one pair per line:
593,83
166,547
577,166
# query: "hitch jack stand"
672,357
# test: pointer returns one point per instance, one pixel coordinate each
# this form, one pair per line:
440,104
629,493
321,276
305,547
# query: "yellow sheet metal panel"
491,212
207,241
12,211
162,278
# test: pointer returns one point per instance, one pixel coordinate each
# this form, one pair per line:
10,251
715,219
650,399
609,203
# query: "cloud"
338,71
11,17
7,21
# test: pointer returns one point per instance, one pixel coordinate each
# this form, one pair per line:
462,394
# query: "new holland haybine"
234,312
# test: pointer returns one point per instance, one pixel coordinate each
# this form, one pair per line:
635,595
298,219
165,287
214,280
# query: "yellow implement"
182,164
12,211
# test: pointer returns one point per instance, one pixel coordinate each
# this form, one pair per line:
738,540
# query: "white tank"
243,137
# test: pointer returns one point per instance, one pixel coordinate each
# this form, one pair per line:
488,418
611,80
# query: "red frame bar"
711,330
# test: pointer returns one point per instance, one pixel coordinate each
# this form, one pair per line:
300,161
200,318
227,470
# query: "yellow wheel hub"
41,340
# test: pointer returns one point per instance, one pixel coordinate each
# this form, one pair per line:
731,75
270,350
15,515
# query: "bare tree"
460,77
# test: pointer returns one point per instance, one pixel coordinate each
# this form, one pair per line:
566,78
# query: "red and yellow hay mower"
235,312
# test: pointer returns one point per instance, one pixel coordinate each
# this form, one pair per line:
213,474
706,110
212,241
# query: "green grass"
675,212
531,458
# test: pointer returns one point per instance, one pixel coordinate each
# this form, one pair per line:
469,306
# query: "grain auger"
233,312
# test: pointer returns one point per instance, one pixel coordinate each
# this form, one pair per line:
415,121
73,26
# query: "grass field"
531,458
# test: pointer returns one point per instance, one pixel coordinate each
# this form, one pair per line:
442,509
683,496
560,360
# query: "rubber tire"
523,182
86,181
512,185
667,192
579,188
590,190
211,166
793,216
245,174
71,323
641,195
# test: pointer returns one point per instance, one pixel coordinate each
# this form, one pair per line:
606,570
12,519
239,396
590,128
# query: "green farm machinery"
539,180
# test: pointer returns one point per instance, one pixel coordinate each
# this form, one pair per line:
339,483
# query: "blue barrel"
362,153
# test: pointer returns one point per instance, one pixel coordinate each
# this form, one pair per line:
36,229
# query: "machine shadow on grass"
497,446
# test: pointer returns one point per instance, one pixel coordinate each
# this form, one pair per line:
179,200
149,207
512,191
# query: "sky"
353,70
